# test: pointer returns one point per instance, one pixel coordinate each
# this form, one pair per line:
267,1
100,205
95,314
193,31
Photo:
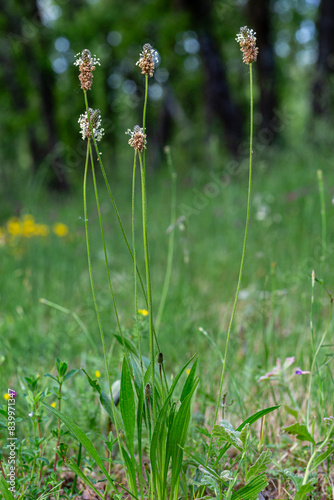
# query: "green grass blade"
127,405
73,466
189,382
158,446
82,438
4,489
253,418
177,437
131,473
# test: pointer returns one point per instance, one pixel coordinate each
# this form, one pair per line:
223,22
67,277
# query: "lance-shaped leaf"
127,405
252,489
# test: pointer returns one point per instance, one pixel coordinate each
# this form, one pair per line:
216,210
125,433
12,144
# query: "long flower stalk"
148,279
111,195
247,40
95,300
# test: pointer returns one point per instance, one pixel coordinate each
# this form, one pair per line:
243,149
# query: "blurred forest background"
198,96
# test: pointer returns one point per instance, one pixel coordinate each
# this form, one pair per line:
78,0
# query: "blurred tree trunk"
217,94
322,94
260,22
27,54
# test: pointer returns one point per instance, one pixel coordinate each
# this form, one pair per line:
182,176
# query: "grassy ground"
273,314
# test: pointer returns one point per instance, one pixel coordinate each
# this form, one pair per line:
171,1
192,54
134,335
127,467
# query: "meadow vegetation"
274,434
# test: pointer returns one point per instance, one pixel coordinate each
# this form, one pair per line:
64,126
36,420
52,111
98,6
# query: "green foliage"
301,431
154,418
224,432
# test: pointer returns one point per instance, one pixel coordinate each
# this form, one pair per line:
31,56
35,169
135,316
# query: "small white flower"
86,57
95,118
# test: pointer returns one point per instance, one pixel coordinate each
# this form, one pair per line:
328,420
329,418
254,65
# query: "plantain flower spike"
247,40
137,138
87,64
95,119
147,60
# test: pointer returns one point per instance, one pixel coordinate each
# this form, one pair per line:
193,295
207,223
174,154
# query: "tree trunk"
260,22
28,56
322,95
217,94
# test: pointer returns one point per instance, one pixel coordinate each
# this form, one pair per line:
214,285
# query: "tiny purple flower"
31,414
301,372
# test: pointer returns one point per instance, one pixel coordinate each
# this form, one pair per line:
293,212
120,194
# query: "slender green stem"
323,223
90,268
94,296
111,195
170,245
308,467
74,485
243,253
106,255
114,203
75,317
145,106
134,257
148,277
315,357
140,473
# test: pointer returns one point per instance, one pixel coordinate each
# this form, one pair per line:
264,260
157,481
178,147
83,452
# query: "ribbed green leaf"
260,465
130,470
158,442
127,405
4,489
178,435
189,382
158,446
252,489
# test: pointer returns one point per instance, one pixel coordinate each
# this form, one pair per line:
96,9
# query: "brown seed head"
137,138
160,358
147,391
148,59
87,64
247,40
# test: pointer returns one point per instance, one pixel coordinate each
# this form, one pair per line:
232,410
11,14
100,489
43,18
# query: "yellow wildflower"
6,396
28,226
188,371
41,230
60,229
14,226
53,405
143,312
97,374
